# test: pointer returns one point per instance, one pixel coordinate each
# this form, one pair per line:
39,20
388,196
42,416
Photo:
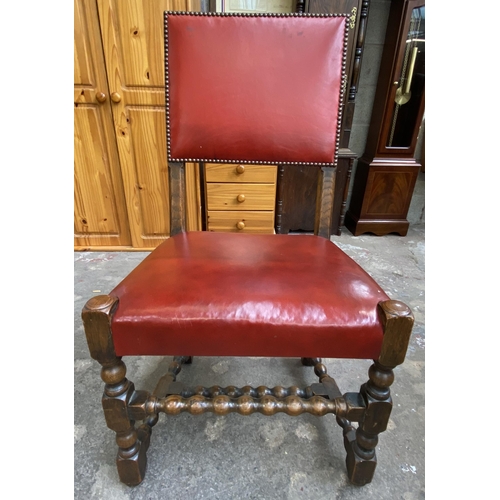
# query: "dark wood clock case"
386,173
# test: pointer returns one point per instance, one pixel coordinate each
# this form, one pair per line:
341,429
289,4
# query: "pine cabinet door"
99,207
132,34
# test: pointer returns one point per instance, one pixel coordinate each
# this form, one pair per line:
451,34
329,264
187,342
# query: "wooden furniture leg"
132,443
360,443
324,201
310,361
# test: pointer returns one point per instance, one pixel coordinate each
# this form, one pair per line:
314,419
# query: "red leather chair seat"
227,294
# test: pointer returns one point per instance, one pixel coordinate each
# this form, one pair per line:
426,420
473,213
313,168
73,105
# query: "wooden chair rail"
318,399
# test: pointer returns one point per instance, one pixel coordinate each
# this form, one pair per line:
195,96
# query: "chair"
234,94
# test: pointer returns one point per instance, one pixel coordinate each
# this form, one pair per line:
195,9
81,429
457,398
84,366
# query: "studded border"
241,14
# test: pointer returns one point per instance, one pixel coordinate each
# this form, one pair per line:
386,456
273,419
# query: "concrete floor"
258,457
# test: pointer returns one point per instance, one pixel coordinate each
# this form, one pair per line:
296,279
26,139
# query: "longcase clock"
386,173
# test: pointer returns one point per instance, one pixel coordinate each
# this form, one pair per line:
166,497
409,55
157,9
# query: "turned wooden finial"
96,316
397,320
99,303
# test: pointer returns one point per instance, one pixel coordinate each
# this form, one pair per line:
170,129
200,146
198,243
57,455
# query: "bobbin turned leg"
360,444
310,361
132,447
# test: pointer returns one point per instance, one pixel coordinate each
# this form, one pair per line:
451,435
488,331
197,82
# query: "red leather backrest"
254,88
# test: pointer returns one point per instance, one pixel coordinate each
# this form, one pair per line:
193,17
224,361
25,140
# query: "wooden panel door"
132,33
100,213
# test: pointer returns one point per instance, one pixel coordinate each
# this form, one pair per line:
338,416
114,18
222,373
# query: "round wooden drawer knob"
116,97
241,198
101,97
240,169
240,225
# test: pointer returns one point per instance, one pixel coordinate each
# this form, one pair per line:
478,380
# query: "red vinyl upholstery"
229,294
254,89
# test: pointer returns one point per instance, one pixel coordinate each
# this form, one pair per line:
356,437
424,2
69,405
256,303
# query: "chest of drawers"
240,197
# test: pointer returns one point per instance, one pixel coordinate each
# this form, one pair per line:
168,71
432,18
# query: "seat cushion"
229,294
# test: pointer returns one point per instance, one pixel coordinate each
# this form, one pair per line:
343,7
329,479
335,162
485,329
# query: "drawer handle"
240,225
241,198
240,169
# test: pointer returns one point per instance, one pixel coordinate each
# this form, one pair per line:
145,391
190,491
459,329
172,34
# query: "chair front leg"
131,458
360,444
132,447
361,460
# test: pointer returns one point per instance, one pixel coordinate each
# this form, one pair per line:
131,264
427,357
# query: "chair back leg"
324,201
177,188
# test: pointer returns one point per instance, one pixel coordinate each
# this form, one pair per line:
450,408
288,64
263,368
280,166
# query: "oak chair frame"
123,405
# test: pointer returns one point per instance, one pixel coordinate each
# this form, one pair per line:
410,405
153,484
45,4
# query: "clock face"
410,90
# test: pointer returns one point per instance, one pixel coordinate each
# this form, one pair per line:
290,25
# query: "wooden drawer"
241,222
223,172
240,196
